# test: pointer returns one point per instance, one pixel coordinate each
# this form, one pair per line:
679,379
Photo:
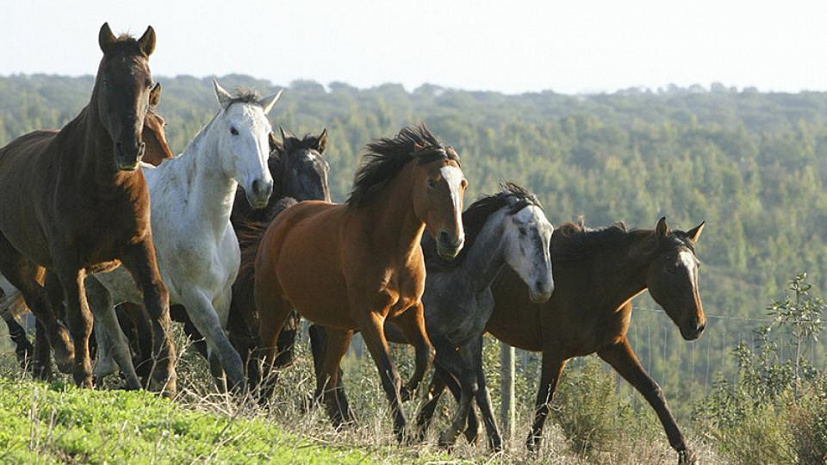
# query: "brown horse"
157,150
74,202
351,266
597,273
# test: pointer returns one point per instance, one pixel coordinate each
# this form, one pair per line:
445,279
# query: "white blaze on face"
453,176
688,261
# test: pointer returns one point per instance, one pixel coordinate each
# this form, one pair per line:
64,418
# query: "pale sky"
510,46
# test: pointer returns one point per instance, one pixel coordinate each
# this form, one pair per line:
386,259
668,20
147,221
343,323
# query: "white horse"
197,250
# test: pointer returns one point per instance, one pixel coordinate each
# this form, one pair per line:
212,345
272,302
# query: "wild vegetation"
753,165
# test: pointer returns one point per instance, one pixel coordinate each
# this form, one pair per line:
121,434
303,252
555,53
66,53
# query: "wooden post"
507,390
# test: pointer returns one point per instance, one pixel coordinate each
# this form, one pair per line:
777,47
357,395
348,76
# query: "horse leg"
23,349
318,345
140,261
195,336
435,390
459,364
79,317
412,324
22,274
622,358
371,324
553,365
274,310
495,440
206,319
113,346
286,340
42,366
328,376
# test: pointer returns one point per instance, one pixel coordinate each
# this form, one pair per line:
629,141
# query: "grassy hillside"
61,424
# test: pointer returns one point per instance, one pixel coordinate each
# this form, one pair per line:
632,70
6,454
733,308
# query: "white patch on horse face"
688,261
454,177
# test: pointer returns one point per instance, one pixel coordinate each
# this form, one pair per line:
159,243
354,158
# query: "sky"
515,46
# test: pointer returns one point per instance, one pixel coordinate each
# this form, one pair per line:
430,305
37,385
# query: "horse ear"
274,143
155,95
224,97
695,232
147,41
287,140
106,38
662,228
267,103
322,141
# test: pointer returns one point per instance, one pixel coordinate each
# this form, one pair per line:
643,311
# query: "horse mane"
573,241
474,219
245,95
385,157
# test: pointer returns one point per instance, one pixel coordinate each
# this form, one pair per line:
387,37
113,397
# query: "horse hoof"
447,438
686,457
533,443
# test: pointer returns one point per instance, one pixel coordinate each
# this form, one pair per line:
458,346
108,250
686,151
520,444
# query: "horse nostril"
701,327
444,238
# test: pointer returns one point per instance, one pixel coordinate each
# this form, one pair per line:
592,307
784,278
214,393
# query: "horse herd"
84,226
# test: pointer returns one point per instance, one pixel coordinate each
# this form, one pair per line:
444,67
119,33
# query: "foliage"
776,409
592,414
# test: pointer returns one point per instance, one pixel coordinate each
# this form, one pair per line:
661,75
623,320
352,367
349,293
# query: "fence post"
507,389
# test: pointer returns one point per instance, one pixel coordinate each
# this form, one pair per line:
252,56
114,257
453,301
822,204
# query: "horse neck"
90,151
391,220
624,269
486,257
210,191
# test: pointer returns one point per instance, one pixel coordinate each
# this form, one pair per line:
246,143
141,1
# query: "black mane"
474,219
385,157
572,241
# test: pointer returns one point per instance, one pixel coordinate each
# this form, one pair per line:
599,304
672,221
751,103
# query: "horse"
157,150
507,229
597,273
75,203
300,172
365,254
198,253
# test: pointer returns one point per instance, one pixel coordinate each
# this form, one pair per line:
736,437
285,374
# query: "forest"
753,165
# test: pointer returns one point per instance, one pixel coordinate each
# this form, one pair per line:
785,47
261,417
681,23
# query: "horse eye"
106,83
523,231
233,131
431,183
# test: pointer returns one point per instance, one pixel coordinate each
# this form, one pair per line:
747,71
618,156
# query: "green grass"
55,423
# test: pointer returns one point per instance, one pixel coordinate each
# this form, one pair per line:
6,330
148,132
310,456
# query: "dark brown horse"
597,273
73,202
156,151
351,266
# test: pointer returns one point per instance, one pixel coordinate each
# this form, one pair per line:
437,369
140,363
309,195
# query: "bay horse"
198,254
597,273
507,229
365,254
157,150
74,202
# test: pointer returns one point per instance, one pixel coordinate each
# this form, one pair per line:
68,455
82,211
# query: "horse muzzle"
259,193
540,292
693,330
128,158
448,247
